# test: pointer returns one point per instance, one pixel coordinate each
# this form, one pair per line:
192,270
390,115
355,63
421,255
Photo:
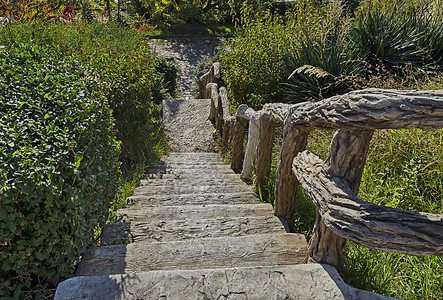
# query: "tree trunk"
346,159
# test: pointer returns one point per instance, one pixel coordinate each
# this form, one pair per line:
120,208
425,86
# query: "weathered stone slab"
188,177
180,180
194,199
199,155
177,230
149,213
304,282
225,252
187,157
186,125
193,167
191,189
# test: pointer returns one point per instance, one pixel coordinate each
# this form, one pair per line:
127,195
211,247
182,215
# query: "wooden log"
219,119
264,153
245,112
346,158
367,224
226,136
203,81
251,147
294,141
225,102
372,109
238,135
277,112
212,93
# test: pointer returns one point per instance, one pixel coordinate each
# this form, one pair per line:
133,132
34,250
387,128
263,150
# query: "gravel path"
187,52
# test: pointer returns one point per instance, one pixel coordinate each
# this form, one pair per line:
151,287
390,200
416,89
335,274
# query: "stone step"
181,180
304,281
147,213
189,177
177,230
195,155
194,199
172,168
217,170
224,252
150,190
181,159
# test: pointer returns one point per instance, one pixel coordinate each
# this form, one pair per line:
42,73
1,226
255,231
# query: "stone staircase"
196,237
196,231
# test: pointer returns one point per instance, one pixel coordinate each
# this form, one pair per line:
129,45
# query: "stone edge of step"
322,277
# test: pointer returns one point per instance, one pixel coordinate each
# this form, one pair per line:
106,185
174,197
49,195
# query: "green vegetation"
59,166
131,78
61,153
324,48
69,91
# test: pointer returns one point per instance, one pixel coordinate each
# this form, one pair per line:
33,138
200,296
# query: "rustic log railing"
333,184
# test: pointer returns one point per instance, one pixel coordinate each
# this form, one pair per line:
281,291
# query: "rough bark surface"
245,112
294,141
372,109
219,119
212,93
276,112
367,224
227,132
238,134
346,158
225,102
264,153
251,147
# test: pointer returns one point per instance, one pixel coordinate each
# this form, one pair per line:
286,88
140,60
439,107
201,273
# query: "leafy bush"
323,50
58,166
253,64
130,76
323,63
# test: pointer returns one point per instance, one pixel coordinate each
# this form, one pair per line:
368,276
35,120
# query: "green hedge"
58,166
132,79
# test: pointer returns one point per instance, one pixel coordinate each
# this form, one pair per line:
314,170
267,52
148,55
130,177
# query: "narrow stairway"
196,231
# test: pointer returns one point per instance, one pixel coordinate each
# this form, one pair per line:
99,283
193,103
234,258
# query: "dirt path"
187,52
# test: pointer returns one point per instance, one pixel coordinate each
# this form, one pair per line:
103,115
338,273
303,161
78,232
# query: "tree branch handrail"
367,224
333,185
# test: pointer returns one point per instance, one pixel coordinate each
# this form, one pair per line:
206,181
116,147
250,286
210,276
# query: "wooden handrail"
367,224
333,185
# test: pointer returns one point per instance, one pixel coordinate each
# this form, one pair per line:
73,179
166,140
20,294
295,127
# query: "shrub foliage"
58,166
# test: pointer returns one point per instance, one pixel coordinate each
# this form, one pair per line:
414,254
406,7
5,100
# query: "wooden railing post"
238,135
211,92
294,141
346,159
226,134
264,152
251,148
